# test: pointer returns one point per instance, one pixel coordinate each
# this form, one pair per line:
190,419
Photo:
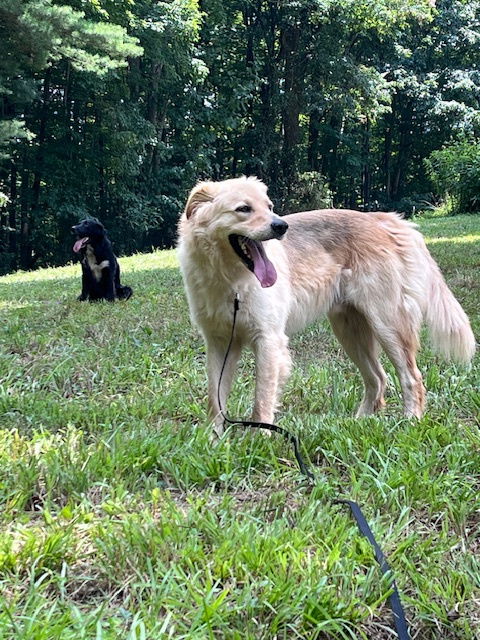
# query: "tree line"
115,108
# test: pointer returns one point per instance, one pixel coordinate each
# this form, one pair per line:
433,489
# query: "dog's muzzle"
279,228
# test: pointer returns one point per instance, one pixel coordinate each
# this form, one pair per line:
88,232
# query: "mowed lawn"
121,518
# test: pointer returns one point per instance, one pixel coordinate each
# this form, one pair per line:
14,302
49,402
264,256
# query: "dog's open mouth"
254,257
79,244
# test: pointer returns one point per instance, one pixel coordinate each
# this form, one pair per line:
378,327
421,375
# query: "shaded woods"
115,109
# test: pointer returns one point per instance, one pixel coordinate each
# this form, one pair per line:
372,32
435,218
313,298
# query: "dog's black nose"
279,227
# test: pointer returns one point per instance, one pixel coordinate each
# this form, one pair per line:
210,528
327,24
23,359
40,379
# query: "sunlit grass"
455,239
137,262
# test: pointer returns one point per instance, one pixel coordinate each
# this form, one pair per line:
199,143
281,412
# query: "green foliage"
60,32
455,172
309,192
115,109
11,131
35,34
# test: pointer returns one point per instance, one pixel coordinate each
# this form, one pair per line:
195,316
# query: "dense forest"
115,108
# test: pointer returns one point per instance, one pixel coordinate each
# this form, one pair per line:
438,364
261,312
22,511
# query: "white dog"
371,273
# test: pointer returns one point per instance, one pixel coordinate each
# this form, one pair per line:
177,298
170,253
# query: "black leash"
394,601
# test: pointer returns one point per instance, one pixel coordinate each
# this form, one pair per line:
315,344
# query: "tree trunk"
269,95
387,151
313,156
252,150
40,155
27,257
155,115
404,143
292,104
25,249
329,150
366,165
12,213
235,154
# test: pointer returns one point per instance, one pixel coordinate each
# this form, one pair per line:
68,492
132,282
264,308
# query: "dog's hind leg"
356,337
272,367
122,292
109,285
218,390
400,342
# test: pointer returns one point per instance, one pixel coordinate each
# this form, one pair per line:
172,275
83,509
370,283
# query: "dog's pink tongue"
79,244
262,267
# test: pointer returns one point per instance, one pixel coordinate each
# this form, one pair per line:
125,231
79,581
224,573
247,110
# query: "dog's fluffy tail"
450,330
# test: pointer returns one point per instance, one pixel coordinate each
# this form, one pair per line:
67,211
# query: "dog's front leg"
109,286
216,353
272,366
84,295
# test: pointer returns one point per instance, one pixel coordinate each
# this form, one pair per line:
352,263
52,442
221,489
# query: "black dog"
100,268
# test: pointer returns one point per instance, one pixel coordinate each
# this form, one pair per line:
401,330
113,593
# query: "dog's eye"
270,206
245,208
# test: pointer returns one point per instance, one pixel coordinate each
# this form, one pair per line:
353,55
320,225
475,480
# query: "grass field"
121,519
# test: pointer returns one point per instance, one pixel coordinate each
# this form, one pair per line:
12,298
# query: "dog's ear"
203,192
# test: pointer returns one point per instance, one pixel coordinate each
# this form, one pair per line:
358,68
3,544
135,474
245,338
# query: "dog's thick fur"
100,268
371,273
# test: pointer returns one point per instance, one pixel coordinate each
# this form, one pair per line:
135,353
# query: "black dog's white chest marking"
95,267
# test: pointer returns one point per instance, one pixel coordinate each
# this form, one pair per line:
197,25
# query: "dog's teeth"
244,246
